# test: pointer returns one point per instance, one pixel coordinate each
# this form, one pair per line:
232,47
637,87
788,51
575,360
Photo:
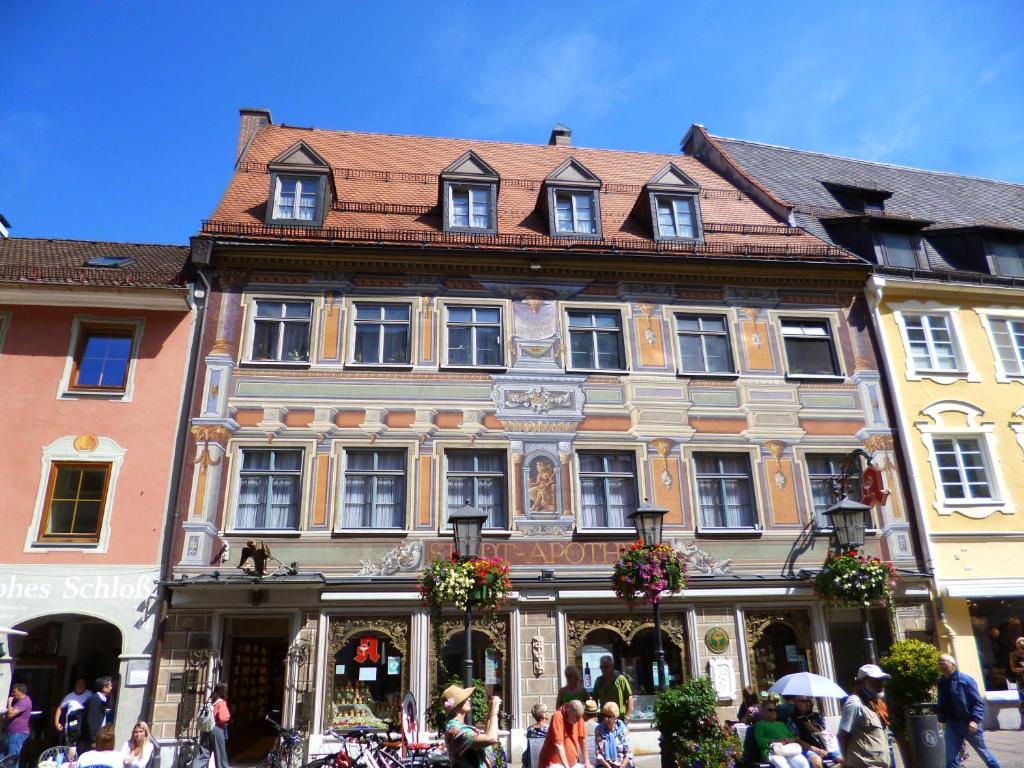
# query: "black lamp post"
649,521
848,526
467,528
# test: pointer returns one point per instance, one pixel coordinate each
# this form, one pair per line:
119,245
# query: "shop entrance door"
257,654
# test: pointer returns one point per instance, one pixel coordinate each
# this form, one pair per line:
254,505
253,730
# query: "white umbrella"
9,631
807,684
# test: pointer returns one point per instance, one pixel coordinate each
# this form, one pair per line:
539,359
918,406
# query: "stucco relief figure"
543,487
537,650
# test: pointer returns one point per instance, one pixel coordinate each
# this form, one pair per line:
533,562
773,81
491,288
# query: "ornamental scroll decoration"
343,630
699,561
756,624
496,628
775,448
403,557
538,399
625,627
663,446
207,433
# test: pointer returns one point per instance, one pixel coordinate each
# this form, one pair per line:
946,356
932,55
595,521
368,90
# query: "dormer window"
899,249
296,198
1006,258
574,213
299,188
469,193
573,204
672,199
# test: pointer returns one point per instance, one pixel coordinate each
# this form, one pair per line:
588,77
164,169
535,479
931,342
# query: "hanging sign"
871,489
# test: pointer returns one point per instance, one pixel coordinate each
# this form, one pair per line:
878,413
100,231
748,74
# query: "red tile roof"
387,192
63,262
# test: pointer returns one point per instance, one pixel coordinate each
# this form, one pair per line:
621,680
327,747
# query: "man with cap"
468,746
963,711
862,736
565,746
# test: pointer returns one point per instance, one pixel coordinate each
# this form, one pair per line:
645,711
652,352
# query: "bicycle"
55,757
186,750
285,752
363,747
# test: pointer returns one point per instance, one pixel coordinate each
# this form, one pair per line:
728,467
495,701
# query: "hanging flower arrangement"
481,582
645,574
855,580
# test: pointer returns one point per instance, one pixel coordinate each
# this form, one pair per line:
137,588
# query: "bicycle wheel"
54,757
320,762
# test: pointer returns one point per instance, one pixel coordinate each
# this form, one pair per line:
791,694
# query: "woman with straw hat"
468,747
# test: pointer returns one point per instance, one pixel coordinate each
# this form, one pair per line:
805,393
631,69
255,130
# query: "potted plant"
686,714
914,666
646,574
854,580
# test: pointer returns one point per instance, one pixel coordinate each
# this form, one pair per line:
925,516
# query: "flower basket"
855,580
481,582
646,574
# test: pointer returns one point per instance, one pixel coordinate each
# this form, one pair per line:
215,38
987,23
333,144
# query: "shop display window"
997,624
634,656
488,661
778,645
368,679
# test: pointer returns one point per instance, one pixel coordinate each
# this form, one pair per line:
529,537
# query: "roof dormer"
573,203
469,196
299,191
673,204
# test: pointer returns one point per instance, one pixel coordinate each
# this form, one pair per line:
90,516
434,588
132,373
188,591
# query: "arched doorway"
57,650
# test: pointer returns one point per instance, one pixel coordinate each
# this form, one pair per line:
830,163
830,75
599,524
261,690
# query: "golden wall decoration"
626,627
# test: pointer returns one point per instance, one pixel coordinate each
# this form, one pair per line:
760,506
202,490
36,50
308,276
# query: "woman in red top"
215,742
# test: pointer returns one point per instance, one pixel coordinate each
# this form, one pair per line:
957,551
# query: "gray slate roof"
947,200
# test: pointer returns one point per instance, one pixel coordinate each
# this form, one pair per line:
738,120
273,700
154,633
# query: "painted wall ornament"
717,640
404,557
537,652
699,561
537,399
543,489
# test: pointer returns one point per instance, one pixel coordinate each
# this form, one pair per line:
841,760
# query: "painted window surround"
693,491
731,323
987,315
640,461
63,449
248,302
505,335
776,316
968,372
234,461
340,455
966,423
64,390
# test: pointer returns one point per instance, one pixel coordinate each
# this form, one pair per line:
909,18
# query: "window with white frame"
931,342
296,197
1007,258
478,478
1008,336
607,489
725,490
823,472
281,331
899,249
374,489
809,347
382,334
704,344
575,213
677,217
269,489
963,469
469,207
595,341
474,336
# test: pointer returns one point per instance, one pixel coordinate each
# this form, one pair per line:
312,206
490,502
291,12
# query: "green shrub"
687,718
914,667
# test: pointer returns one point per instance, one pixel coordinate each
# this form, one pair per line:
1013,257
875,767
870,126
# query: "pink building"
94,346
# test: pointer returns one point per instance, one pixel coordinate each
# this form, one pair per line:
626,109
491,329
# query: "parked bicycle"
186,750
287,751
364,747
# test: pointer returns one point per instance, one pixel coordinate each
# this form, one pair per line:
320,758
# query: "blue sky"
118,120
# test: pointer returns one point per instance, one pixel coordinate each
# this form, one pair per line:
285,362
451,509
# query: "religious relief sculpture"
543,487
537,650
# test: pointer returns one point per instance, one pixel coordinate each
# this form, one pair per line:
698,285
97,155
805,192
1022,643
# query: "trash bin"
925,741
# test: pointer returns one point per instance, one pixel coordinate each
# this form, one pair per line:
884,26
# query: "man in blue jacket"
963,712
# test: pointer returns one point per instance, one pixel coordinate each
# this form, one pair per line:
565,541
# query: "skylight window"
112,261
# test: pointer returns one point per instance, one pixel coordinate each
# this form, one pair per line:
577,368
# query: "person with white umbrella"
816,740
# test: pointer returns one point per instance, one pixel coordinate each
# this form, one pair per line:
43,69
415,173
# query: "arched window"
368,674
489,662
778,645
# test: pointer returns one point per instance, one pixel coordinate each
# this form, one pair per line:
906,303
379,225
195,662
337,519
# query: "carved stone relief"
404,557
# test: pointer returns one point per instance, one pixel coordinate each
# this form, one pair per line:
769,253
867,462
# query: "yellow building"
947,305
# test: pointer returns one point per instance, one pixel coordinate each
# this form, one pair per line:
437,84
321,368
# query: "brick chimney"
252,119
560,136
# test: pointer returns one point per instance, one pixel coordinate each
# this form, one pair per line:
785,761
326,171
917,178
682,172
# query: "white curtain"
251,493
593,503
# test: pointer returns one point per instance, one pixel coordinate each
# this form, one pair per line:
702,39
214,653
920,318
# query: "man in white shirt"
68,714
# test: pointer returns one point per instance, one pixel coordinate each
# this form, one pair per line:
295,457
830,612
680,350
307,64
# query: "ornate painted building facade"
946,300
399,325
